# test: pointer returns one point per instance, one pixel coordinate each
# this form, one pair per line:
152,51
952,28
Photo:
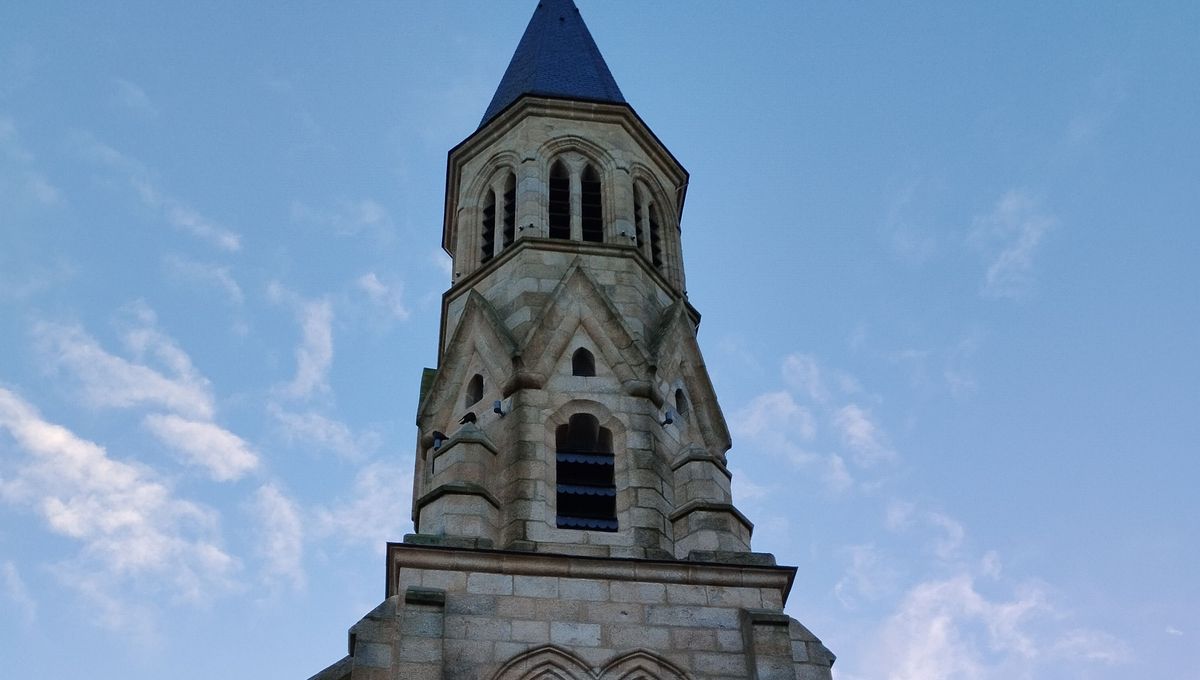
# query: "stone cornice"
572,566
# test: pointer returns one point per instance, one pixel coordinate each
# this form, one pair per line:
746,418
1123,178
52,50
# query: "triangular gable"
578,301
674,343
479,333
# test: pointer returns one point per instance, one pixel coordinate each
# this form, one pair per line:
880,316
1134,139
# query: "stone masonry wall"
493,615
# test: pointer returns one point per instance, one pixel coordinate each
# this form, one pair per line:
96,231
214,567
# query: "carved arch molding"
553,663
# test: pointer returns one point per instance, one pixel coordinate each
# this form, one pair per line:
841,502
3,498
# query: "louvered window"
510,210
560,201
656,255
586,486
590,206
487,242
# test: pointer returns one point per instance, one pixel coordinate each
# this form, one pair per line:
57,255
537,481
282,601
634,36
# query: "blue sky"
945,255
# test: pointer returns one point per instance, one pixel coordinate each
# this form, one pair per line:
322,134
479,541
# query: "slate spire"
555,58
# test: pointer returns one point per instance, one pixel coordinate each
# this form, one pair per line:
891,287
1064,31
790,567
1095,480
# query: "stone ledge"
746,570
458,489
754,559
448,541
427,596
709,506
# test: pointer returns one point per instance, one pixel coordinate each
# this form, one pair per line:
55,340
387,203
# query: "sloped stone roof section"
555,58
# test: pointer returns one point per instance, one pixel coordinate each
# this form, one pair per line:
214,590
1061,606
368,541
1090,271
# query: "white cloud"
774,413
314,356
745,489
174,211
207,274
131,96
836,477
18,170
389,297
223,454
349,218
133,531
860,434
1172,630
314,429
17,593
281,532
946,534
1091,645
110,381
379,507
868,577
802,372
1010,236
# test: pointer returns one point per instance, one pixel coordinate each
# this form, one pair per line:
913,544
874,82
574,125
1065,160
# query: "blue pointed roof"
555,58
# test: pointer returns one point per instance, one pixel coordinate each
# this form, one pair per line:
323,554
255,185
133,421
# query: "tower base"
456,613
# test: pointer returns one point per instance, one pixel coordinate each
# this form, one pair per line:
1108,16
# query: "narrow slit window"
681,403
560,201
583,363
474,390
487,242
510,210
639,237
591,209
656,255
585,479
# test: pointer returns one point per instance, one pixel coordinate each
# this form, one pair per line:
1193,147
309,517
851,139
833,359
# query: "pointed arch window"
585,481
591,208
474,390
509,219
583,363
560,201
487,241
638,230
656,245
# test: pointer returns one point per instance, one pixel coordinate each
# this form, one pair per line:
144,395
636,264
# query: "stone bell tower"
571,502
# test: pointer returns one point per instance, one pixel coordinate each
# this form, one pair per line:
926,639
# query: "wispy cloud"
1010,236
20,178
132,529
205,274
314,356
389,297
132,97
362,217
868,577
281,537
223,454
947,629
377,510
174,211
862,436
312,429
16,592
109,381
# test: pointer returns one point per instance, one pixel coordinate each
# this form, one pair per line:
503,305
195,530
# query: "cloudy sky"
946,256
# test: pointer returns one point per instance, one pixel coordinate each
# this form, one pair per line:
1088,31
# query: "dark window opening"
510,210
681,403
488,241
656,255
560,202
637,223
585,480
583,363
474,390
590,209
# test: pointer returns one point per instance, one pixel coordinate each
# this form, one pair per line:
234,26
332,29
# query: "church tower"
571,501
